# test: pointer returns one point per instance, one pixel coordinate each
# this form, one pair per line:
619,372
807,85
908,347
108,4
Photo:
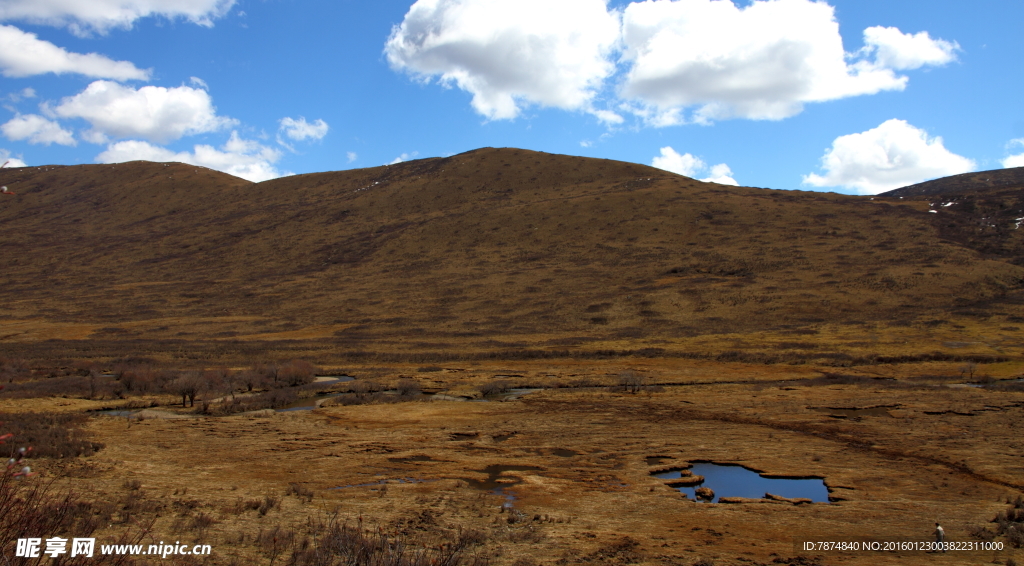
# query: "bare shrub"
296,372
495,387
408,388
30,508
242,505
300,491
201,523
631,381
364,386
335,543
268,504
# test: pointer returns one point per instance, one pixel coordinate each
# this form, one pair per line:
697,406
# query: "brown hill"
1012,178
494,250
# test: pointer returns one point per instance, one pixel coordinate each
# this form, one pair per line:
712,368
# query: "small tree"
188,386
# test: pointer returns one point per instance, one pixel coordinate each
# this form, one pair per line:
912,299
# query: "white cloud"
685,164
404,157
239,157
7,161
683,60
893,155
691,166
26,93
300,130
902,51
154,113
37,130
721,174
199,83
23,54
1015,160
509,53
352,156
761,62
84,16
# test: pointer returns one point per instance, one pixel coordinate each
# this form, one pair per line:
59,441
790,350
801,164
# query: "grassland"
658,316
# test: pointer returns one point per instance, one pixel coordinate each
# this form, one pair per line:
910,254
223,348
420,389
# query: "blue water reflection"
737,481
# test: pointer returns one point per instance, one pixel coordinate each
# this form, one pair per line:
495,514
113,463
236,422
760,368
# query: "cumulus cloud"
760,62
721,174
510,53
23,54
1015,160
7,161
682,60
692,166
404,157
154,113
243,158
351,156
893,155
85,16
37,130
300,130
893,49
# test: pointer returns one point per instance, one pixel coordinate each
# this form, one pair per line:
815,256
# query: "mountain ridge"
488,250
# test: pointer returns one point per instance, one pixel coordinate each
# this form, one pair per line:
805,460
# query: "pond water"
510,395
117,412
737,481
306,404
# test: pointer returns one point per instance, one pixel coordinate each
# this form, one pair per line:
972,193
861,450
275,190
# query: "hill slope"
1012,178
489,250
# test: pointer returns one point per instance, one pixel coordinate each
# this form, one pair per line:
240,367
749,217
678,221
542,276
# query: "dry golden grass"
757,319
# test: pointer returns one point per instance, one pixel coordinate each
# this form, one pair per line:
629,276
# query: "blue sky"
855,96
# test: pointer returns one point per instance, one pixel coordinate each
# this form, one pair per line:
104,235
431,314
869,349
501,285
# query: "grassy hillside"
494,250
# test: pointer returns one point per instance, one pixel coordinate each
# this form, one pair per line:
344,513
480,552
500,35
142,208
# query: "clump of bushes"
495,387
28,508
273,399
50,436
333,543
1011,523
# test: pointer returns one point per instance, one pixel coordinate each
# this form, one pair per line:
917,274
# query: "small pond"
737,481
307,404
117,412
